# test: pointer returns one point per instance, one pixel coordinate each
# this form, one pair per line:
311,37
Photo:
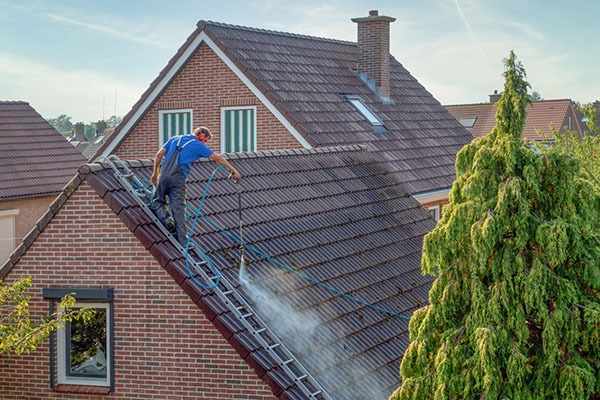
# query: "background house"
88,146
334,215
542,115
36,162
262,90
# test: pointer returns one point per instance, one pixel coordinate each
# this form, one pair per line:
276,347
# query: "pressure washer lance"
238,185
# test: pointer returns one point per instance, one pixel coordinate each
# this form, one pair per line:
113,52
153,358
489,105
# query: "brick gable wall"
205,84
164,346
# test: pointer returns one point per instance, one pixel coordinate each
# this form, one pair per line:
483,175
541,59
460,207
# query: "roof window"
367,114
468,122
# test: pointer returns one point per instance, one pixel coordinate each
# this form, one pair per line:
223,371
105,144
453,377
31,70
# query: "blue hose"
198,213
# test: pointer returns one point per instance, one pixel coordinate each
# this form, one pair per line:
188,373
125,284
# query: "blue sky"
90,59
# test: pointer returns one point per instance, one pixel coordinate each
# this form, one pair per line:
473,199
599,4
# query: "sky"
92,59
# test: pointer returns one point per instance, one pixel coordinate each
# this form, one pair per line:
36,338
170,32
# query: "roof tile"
36,159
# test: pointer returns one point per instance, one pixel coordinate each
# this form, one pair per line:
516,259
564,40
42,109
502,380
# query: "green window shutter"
240,131
176,123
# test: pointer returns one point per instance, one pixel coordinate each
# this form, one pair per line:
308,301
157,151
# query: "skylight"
365,111
468,122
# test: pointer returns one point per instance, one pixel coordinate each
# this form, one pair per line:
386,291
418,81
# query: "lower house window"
238,129
84,349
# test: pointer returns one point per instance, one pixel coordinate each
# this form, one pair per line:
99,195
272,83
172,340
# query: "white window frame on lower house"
8,232
184,127
434,211
100,299
241,144
62,347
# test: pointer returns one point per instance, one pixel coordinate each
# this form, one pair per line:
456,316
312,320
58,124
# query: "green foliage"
113,121
586,150
515,309
18,334
62,123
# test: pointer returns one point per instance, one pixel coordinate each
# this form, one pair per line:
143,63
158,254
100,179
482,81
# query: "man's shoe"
170,225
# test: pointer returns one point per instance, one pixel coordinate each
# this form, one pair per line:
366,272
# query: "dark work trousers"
172,184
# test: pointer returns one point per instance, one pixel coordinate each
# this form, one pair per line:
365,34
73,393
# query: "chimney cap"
373,16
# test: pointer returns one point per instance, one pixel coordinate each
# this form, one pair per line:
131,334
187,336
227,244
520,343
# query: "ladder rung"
301,377
247,315
291,360
227,292
276,345
316,393
261,330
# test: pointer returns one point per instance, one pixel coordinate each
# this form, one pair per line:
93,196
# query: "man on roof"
173,161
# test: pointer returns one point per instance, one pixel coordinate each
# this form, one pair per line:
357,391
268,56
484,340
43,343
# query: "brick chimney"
374,49
494,97
80,132
100,128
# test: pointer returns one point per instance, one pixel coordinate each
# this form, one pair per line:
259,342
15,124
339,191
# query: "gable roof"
35,159
333,214
303,81
540,115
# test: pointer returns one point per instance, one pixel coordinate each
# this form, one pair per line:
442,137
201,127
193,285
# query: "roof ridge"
203,23
13,102
295,152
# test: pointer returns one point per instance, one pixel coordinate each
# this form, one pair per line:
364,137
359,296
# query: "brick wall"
164,346
205,84
30,210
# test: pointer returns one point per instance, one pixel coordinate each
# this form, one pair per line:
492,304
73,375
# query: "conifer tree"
515,308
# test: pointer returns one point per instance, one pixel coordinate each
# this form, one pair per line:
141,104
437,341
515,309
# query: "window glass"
365,111
468,122
87,345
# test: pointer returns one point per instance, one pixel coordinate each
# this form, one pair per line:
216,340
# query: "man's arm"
157,160
221,161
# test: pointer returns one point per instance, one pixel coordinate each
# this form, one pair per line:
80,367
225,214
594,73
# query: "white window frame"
434,211
254,119
161,113
61,351
8,235
364,110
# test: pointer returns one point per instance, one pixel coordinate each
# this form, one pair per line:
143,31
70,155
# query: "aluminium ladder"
225,290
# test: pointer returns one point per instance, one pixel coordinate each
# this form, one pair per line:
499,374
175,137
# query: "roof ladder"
226,291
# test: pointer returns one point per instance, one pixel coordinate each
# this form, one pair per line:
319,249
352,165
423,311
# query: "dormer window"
367,114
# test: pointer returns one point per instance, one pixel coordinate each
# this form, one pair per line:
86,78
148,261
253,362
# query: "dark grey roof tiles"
334,215
307,77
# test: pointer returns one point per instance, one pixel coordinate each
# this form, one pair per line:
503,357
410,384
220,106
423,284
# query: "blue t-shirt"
190,153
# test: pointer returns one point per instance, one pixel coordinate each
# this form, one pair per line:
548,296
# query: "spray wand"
242,247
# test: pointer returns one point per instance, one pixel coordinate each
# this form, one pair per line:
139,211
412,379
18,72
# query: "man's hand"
154,179
235,175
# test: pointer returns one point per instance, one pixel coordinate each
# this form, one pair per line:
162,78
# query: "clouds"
453,47
128,30
54,91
